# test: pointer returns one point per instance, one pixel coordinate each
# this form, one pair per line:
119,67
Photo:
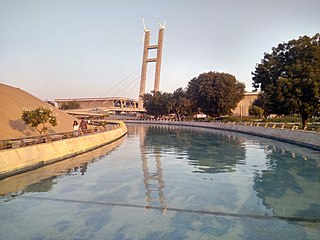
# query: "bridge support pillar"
146,60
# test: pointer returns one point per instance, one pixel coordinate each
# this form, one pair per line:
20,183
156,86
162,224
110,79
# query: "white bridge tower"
146,60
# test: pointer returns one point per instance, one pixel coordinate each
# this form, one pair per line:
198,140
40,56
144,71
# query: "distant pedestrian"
76,128
83,125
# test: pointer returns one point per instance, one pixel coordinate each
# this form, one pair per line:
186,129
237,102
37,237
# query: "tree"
40,116
255,111
289,78
260,106
216,94
180,104
70,105
157,103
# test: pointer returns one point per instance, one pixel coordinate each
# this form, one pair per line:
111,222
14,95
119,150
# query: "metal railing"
313,126
292,126
94,127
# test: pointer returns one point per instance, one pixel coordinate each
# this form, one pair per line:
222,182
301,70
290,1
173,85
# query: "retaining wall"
302,138
17,160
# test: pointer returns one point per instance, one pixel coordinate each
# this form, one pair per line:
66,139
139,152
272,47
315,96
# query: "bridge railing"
95,127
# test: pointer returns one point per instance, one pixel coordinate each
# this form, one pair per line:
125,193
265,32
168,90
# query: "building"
115,105
242,110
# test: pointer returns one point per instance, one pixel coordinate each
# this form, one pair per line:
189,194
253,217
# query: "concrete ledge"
302,138
14,161
19,182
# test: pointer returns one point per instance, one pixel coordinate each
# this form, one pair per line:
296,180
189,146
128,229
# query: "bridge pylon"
145,60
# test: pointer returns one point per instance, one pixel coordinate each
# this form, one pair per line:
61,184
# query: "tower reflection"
152,177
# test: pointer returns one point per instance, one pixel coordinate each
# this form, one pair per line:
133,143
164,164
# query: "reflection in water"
208,184
286,171
153,181
82,168
288,177
42,179
207,155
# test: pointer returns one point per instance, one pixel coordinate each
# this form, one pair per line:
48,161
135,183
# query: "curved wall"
17,160
302,138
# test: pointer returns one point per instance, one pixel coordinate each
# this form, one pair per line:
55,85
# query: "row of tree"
288,79
212,93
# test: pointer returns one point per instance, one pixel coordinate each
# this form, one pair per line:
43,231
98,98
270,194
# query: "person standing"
83,125
75,128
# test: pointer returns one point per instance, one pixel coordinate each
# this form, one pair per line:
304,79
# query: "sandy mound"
13,101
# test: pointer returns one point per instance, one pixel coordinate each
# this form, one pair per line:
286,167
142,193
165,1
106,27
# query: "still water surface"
163,182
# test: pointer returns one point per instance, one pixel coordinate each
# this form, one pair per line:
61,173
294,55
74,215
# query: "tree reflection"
42,186
45,185
204,150
290,185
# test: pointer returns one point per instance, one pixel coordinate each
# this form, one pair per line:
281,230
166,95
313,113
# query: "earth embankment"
13,101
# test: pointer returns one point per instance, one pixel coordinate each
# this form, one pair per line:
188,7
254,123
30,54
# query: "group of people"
80,127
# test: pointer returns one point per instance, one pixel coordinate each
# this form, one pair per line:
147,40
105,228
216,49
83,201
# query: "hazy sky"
89,48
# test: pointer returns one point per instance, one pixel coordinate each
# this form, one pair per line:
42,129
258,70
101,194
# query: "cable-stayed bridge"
117,104
129,86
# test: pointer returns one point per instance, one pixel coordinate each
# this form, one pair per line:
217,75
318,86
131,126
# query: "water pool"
164,182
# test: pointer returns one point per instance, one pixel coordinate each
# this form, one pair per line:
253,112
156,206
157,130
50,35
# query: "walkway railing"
314,126
95,127
292,126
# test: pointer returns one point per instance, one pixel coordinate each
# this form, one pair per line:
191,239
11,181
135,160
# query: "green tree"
255,111
261,103
180,104
70,105
157,103
39,118
216,94
289,78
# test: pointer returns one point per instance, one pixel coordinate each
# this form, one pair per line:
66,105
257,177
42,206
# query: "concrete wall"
302,138
243,106
17,160
20,181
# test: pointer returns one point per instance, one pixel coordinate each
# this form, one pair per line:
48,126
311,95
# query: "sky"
93,48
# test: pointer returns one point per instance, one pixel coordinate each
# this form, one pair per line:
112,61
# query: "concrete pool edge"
298,137
19,160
